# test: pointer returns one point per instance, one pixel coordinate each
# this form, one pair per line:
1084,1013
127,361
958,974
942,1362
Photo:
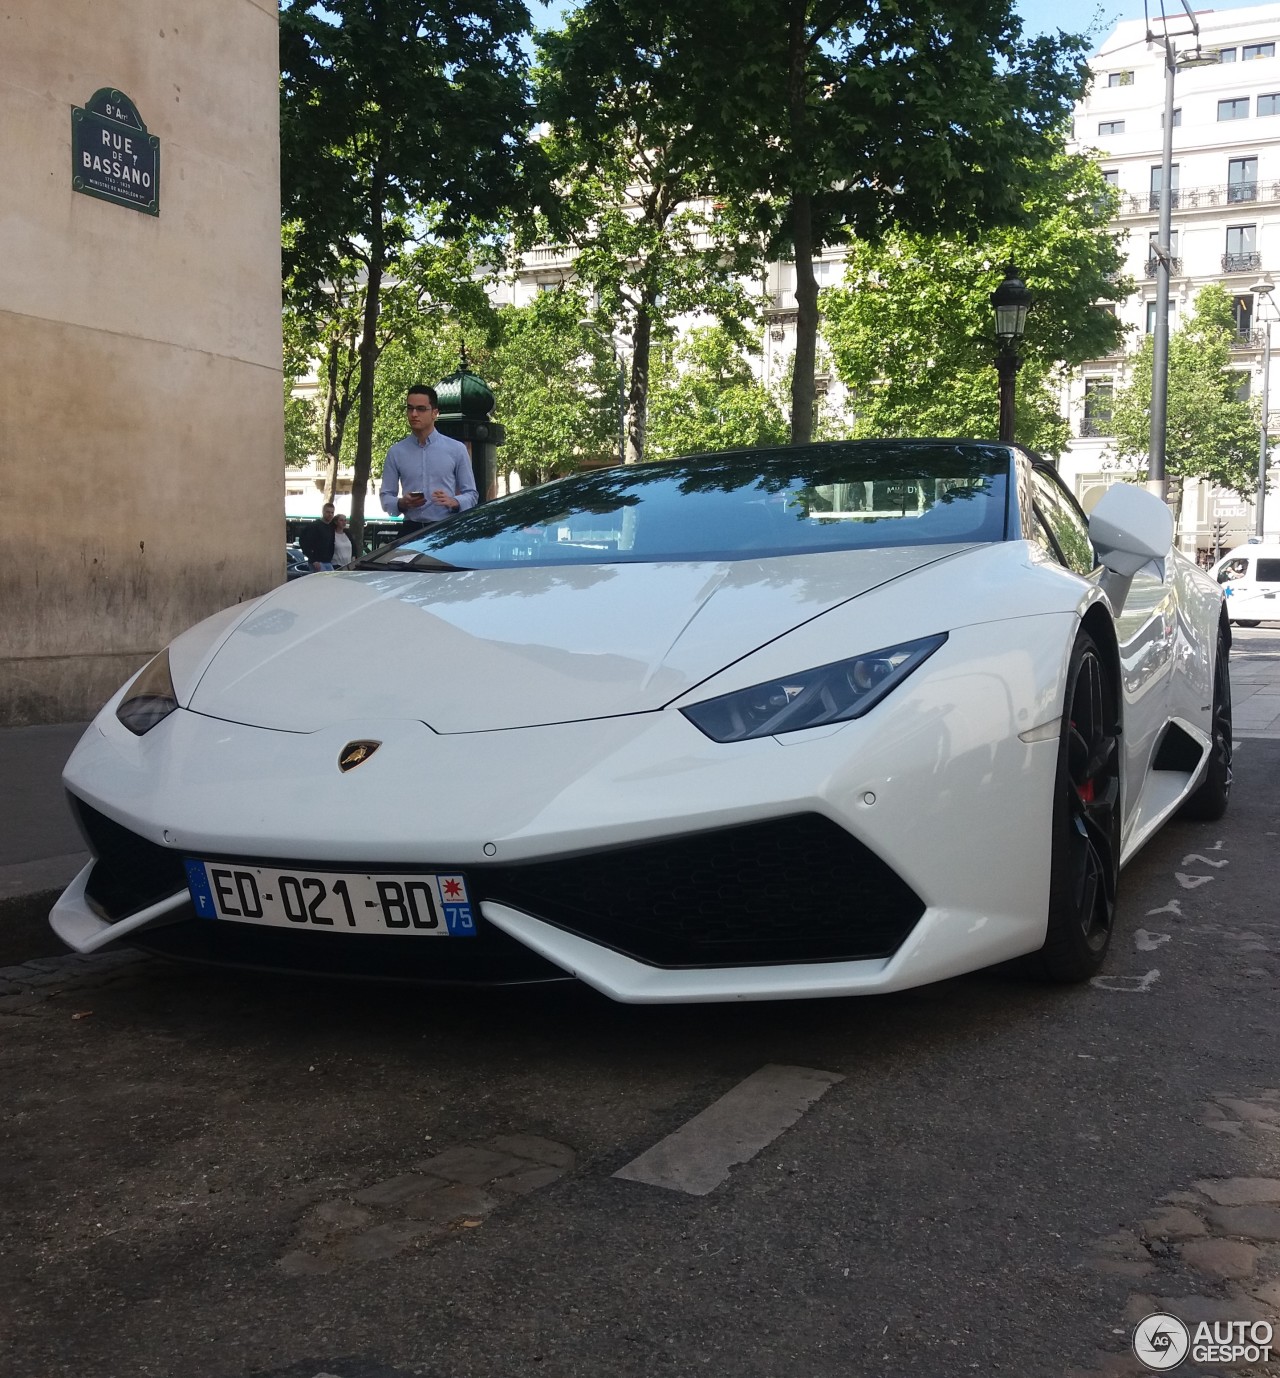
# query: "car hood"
479,650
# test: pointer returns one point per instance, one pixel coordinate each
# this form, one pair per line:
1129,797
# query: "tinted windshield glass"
744,504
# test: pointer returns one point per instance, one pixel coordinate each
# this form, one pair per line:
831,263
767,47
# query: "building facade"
1225,184
141,426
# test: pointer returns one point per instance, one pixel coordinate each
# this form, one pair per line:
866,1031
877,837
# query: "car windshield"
742,504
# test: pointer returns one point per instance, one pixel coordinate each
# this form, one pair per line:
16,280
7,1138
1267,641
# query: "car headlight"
831,693
150,698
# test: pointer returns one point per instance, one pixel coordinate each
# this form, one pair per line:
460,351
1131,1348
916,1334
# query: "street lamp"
1173,62
1262,290
610,340
1010,301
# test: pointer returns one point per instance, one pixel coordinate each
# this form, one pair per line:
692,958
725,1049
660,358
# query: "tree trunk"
802,386
802,389
638,396
368,363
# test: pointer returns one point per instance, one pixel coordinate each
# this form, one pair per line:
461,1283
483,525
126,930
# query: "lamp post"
1262,290
1156,481
1010,301
612,342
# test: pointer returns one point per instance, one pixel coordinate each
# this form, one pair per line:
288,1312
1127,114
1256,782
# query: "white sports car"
765,724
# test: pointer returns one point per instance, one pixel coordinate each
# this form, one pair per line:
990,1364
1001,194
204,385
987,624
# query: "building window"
1177,117
1097,407
1111,176
1234,109
1242,249
1110,126
1256,50
1157,181
1269,104
1242,310
1241,385
1151,317
1153,258
1119,78
1226,54
1242,179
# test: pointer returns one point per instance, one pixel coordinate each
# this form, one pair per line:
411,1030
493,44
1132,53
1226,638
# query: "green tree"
836,117
910,331
555,383
635,198
389,107
707,397
1211,433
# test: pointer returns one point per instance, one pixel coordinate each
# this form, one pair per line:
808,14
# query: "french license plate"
430,905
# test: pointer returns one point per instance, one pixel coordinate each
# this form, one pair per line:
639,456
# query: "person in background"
427,476
342,551
316,539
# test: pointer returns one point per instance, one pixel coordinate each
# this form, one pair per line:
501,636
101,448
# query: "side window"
1065,520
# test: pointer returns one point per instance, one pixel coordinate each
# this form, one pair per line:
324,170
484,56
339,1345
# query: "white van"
1250,576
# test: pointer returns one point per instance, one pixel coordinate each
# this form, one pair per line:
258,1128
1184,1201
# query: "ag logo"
355,753
1161,1341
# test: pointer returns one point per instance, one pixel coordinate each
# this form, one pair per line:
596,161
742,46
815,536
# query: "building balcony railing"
1175,265
1248,339
1241,263
1092,426
1195,198
550,256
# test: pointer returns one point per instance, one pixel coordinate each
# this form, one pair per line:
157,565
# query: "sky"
1098,17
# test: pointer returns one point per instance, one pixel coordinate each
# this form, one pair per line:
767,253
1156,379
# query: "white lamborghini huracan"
764,724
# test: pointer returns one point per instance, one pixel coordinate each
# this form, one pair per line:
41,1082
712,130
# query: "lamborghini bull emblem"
355,754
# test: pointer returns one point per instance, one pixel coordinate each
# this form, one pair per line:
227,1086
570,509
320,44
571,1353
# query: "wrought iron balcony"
1093,426
1248,339
1241,263
1175,265
1198,198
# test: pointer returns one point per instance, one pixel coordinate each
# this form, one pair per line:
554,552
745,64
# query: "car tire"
1085,861
1214,792
1247,622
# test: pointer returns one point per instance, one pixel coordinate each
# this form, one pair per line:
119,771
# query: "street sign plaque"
112,155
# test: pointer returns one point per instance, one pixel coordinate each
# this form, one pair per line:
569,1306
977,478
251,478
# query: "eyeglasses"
411,407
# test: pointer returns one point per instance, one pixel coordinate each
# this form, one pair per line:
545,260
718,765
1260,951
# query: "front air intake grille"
795,889
129,872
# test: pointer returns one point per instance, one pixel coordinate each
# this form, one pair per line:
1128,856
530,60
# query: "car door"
1146,628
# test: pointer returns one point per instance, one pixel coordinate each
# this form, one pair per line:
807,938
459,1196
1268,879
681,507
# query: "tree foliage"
634,198
707,397
911,328
388,107
1211,433
837,117
555,382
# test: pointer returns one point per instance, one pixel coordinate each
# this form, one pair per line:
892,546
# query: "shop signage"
112,155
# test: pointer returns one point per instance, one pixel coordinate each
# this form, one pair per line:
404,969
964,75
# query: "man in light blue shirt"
427,476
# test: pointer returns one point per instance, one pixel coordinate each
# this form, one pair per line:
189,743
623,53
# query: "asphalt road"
227,1176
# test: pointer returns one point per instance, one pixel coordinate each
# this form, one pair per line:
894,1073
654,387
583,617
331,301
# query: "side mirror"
1129,528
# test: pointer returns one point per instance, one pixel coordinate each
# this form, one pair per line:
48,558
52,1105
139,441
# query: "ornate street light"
1010,301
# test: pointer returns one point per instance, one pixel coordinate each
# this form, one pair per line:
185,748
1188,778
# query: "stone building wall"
141,428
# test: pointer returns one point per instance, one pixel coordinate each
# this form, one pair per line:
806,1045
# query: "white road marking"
1148,942
1173,907
1128,985
1195,856
698,1156
1191,882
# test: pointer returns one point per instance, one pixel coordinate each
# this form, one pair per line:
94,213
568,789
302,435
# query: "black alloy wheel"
1212,795
1085,861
